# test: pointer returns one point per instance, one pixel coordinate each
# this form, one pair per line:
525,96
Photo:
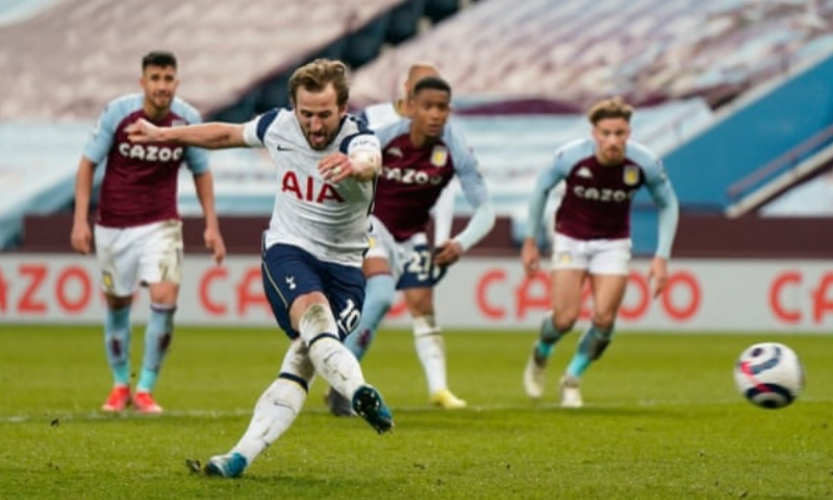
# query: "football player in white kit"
312,252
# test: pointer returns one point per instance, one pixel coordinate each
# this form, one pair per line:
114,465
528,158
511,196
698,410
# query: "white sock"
274,413
430,349
331,359
279,404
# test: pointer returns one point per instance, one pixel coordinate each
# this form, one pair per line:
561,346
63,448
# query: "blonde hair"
614,107
315,77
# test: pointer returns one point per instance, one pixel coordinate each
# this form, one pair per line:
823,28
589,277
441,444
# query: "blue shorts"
411,261
289,271
419,271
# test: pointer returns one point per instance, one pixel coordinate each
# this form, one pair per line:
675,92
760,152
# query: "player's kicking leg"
337,365
379,291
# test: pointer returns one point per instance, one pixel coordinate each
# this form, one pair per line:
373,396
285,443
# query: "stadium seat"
225,49
439,10
579,51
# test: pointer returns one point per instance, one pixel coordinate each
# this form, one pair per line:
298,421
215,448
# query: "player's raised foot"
144,403
368,404
228,465
535,374
118,399
338,404
570,392
447,400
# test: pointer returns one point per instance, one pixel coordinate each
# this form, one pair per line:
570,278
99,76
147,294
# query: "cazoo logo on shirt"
410,176
149,152
614,195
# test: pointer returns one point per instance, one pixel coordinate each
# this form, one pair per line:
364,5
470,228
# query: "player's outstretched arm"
212,135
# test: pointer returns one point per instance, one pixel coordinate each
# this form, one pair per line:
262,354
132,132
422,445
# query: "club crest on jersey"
439,156
631,175
107,281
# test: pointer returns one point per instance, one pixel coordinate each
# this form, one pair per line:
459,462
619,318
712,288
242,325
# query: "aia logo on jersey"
150,152
308,190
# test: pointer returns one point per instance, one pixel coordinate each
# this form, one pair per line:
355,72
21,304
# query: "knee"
420,302
164,293
564,320
604,320
422,308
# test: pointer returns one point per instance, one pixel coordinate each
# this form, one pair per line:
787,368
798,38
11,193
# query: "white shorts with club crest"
139,255
596,256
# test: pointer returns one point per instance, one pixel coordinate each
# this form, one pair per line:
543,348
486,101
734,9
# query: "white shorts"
139,255
596,256
410,260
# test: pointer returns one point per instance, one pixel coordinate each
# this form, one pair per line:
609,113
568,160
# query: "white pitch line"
66,415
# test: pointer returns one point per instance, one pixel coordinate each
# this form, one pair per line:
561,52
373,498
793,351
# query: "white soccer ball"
769,375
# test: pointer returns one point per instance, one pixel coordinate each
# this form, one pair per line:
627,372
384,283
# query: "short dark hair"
315,76
161,58
432,83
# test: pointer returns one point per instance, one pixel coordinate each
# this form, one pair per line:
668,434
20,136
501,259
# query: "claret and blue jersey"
597,199
413,177
140,181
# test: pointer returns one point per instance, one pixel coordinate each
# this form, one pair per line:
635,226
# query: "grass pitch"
662,421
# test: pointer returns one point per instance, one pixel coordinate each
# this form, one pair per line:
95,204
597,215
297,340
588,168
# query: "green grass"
663,421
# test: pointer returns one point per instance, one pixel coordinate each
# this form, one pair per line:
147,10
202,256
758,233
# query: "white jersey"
379,115
328,220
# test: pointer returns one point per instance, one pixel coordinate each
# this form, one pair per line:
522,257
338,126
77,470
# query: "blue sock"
591,345
117,343
548,336
378,298
158,333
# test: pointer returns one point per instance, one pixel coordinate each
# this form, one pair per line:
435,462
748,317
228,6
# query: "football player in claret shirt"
138,231
420,155
592,238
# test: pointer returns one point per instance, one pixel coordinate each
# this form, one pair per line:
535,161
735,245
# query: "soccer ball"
769,375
